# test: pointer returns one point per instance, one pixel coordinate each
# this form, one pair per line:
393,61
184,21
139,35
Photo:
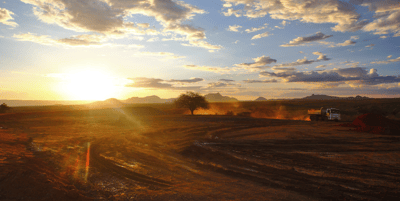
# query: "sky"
100,49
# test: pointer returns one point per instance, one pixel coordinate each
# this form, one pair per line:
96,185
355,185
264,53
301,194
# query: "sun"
89,84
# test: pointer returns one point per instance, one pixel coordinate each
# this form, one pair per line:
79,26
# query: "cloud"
342,14
284,22
226,80
260,81
191,80
387,16
6,18
202,44
356,75
321,66
107,16
190,32
321,57
166,55
222,85
354,64
258,62
372,45
345,43
234,12
354,37
154,83
80,40
208,68
390,56
234,28
252,29
386,62
301,41
111,17
153,39
217,84
265,34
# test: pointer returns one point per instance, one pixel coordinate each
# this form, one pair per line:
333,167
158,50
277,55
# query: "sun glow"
89,84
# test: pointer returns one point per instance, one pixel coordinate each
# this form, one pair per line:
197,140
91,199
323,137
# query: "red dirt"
375,123
175,157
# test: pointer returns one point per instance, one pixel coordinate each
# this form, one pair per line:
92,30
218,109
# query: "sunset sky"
99,49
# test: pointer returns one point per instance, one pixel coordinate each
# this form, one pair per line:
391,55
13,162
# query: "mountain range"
211,97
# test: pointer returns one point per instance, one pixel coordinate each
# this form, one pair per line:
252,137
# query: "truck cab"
333,114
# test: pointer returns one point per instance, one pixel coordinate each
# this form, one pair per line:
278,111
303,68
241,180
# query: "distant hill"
326,97
111,102
217,97
320,97
261,99
147,99
19,103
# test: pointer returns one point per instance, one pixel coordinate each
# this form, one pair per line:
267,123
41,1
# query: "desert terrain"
246,151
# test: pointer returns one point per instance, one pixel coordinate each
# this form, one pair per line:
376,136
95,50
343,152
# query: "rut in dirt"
109,166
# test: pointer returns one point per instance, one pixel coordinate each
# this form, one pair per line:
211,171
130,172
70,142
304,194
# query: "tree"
4,108
192,101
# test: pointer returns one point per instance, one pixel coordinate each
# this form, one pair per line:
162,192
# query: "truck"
323,114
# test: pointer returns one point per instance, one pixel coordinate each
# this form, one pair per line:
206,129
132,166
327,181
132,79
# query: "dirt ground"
142,154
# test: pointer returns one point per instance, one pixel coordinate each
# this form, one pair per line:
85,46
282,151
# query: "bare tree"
192,101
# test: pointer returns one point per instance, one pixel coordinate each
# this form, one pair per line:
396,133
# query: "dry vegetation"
153,152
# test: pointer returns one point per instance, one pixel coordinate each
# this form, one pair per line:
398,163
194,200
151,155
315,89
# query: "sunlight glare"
89,84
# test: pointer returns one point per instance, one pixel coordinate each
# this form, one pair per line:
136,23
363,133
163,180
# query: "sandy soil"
112,154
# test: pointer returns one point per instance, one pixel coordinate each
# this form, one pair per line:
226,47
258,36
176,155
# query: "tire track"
110,166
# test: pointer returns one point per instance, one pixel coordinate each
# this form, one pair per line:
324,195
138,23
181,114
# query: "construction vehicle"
329,114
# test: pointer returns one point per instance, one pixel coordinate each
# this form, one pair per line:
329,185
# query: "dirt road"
112,155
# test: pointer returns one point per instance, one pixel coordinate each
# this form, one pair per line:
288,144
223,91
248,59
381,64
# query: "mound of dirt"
375,123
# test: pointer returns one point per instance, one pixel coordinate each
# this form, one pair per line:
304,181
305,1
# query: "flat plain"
148,153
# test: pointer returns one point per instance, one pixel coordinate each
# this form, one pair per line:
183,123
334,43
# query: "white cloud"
221,84
345,43
321,66
6,18
166,55
337,12
386,62
190,32
155,83
110,17
153,39
80,40
258,62
301,41
390,56
354,37
260,81
258,36
208,68
355,76
372,45
305,61
202,44
191,80
253,29
234,12
387,16
234,28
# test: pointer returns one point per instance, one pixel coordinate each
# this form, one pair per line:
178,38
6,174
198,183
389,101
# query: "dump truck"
328,114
